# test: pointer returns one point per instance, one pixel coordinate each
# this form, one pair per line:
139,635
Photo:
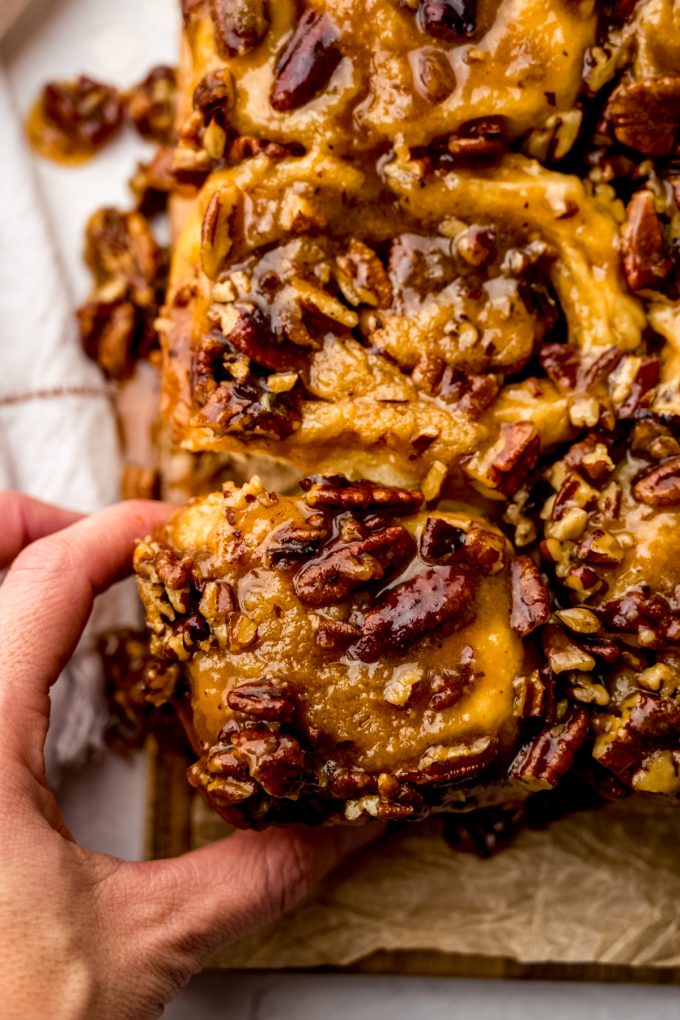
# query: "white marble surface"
105,807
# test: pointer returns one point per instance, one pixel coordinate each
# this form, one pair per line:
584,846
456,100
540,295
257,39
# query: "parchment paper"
599,886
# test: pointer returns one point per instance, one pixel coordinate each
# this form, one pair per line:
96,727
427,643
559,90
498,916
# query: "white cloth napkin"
57,428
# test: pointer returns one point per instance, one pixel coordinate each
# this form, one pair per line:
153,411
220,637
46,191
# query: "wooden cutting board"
171,825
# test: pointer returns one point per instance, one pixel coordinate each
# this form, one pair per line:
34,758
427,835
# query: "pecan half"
449,20
530,598
645,114
85,113
339,493
646,261
449,764
346,566
306,64
152,105
660,486
543,761
416,607
269,699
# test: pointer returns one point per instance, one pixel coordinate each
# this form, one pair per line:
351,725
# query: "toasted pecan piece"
307,62
645,114
543,761
416,607
661,485
646,261
240,25
530,597
349,565
337,492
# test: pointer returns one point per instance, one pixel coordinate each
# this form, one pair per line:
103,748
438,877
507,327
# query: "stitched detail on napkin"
56,391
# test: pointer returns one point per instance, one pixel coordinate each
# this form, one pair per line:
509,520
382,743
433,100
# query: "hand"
85,935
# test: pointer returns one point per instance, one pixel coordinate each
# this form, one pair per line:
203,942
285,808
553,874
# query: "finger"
178,913
23,520
45,602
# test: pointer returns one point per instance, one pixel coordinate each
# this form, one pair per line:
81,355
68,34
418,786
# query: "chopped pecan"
248,146
563,653
506,466
440,540
85,113
545,759
268,699
275,760
240,25
574,493
484,138
194,630
477,245
250,407
362,277
294,541
471,393
346,566
124,256
152,103
173,571
600,549
485,549
416,607
214,96
307,62
338,493
591,457
248,328
152,182
433,73
336,635
661,485
646,260
447,686
560,363
448,20
530,598
534,695
449,764
643,613
646,721
645,114
109,334
217,231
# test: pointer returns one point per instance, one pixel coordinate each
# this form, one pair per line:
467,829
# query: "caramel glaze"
396,82
344,698
359,705
365,402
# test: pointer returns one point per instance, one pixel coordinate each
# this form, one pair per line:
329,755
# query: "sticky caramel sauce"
343,698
